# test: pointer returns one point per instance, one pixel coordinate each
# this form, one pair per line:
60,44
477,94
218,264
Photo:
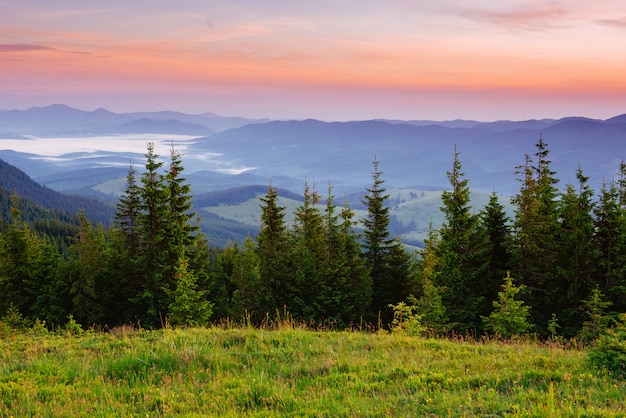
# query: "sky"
326,59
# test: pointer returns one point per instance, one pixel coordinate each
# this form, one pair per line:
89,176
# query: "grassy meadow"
295,372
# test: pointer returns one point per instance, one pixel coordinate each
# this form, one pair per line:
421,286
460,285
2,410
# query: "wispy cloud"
24,48
619,23
532,17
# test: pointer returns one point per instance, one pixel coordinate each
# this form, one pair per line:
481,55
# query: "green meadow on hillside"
295,372
416,209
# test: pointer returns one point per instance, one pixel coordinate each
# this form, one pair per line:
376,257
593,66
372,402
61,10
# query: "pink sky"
331,60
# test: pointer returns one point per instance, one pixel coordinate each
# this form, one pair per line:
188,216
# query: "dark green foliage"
609,352
509,316
153,265
597,321
495,225
60,206
346,289
87,272
577,254
536,236
308,255
273,249
388,261
430,305
190,306
610,241
463,256
30,274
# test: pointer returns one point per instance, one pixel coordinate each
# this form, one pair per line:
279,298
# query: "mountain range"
223,153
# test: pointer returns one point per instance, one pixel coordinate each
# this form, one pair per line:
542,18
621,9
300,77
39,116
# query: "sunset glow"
326,60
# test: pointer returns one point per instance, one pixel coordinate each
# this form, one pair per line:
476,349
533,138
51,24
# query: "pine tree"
273,250
597,321
509,316
30,273
535,246
310,252
248,284
430,305
346,285
190,306
87,272
127,249
153,299
14,262
577,253
462,253
389,263
494,225
610,245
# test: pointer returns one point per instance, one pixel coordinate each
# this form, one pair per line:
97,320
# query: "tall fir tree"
31,280
494,224
126,247
577,253
346,288
273,249
430,305
310,252
535,246
389,263
87,271
610,245
153,299
462,249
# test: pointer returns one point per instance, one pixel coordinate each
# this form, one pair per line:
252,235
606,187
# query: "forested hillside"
555,267
16,181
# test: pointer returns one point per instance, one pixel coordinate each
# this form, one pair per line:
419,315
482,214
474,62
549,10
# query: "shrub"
609,352
406,320
509,316
14,319
72,327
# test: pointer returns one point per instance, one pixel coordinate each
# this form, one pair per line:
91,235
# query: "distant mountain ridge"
59,119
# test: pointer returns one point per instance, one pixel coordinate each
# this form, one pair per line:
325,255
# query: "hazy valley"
88,154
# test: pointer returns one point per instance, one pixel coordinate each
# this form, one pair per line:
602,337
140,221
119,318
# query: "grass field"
295,372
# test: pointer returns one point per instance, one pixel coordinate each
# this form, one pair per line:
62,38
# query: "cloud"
619,23
23,48
533,17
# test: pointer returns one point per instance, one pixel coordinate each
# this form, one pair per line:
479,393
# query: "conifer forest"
555,266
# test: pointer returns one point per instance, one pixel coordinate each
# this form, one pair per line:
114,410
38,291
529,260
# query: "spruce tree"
273,249
577,253
152,300
87,271
127,249
462,253
430,306
494,224
610,245
535,246
189,305
310,252
346,285
389,263
31,279
509,316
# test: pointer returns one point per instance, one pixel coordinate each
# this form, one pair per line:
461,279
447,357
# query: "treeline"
64,206
557,267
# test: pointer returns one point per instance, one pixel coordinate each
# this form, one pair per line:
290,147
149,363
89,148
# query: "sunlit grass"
295,372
